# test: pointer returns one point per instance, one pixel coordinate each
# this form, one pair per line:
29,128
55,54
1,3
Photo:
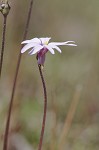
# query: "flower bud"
5,8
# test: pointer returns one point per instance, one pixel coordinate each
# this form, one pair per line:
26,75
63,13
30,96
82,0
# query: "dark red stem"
45,109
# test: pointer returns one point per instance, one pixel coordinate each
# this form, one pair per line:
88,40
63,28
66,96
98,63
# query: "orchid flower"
41,46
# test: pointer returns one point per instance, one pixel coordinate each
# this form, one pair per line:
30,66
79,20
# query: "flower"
41,46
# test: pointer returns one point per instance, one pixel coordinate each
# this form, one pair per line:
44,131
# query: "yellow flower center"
46,43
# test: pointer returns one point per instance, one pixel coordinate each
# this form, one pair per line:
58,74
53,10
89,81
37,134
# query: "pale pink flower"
41,46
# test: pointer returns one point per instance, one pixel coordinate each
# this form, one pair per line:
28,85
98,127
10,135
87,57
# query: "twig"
45,108
15,80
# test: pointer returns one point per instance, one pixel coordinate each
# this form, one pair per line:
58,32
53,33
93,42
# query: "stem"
45,108
3,43
15,80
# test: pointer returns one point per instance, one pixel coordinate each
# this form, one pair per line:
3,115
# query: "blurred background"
72,78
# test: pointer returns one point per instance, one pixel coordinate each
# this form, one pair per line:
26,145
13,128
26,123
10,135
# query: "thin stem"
15,80
3,43
45,109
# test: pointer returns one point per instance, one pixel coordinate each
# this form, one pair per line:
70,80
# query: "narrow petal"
57,43
26,47
35,40
56,47
25,42
49,48
71,44
37,49
61,43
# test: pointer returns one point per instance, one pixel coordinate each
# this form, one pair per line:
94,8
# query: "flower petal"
35,40
56,47
49,48
26,47
71,44
37,49
57,43
63,43
25,42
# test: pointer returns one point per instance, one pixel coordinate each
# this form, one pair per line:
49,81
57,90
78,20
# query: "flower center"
46,43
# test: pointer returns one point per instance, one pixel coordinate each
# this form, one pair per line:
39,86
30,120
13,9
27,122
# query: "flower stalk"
45,108
5,145
4,8
3,43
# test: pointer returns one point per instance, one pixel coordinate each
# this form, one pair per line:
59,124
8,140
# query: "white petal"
37,49
63,43
26,47
35,40
56,47
57,43
45,40
71,44
50,49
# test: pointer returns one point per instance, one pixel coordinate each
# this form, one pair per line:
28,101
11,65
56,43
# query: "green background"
74,72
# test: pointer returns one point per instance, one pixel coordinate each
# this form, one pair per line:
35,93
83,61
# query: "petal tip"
22,52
